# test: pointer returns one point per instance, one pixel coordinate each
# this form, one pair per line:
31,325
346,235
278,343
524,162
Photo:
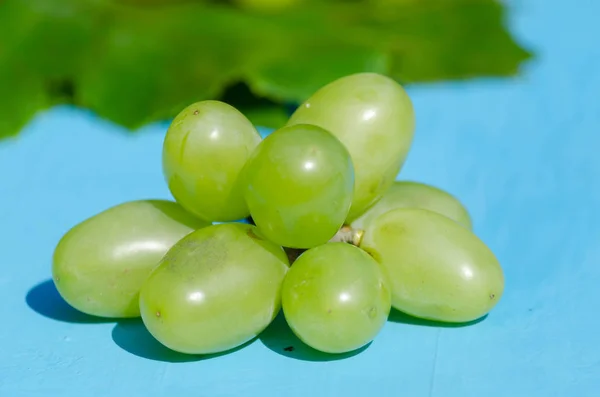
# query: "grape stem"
345,235
348,235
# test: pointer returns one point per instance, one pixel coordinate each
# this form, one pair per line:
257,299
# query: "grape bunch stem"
347,234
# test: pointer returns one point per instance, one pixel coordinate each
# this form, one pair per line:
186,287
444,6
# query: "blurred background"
134,62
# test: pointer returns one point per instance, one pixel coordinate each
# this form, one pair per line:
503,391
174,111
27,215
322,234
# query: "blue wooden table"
523,155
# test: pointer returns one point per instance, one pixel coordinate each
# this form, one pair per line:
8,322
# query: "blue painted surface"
522,155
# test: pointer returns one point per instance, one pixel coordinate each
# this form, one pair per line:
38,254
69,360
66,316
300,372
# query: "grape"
214,290
373,117
335,298
438,269
298,186
100,264
204,150
418,195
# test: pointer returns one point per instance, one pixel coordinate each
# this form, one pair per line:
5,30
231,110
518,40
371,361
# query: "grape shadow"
396,316
132,336
45,300
279,338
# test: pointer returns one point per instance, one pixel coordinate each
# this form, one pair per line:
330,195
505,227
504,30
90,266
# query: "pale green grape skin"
204,150
335,298
100,264
298,186
214,290
438,269
407,194
374,118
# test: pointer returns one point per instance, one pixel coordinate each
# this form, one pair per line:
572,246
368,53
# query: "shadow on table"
133,337
279,338
45,300
397,316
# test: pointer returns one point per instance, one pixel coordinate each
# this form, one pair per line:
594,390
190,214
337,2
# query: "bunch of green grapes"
323,186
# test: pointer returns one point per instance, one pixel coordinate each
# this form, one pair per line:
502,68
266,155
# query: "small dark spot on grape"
492,296
289,349
157,313
329,311
253,235
196,112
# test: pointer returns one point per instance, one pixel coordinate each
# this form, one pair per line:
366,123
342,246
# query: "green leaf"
153,63
267,116
452,40
287,81
22,92
260,111
140,61
22,96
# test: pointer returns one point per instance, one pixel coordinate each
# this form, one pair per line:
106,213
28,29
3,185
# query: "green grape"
214,290
373,117
335,298
100,264
298,186
438,269
417,195
204,150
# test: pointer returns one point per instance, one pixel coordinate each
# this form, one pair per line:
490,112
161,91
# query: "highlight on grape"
335,242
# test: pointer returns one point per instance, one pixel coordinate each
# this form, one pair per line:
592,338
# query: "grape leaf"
140,61
22,96
41,49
